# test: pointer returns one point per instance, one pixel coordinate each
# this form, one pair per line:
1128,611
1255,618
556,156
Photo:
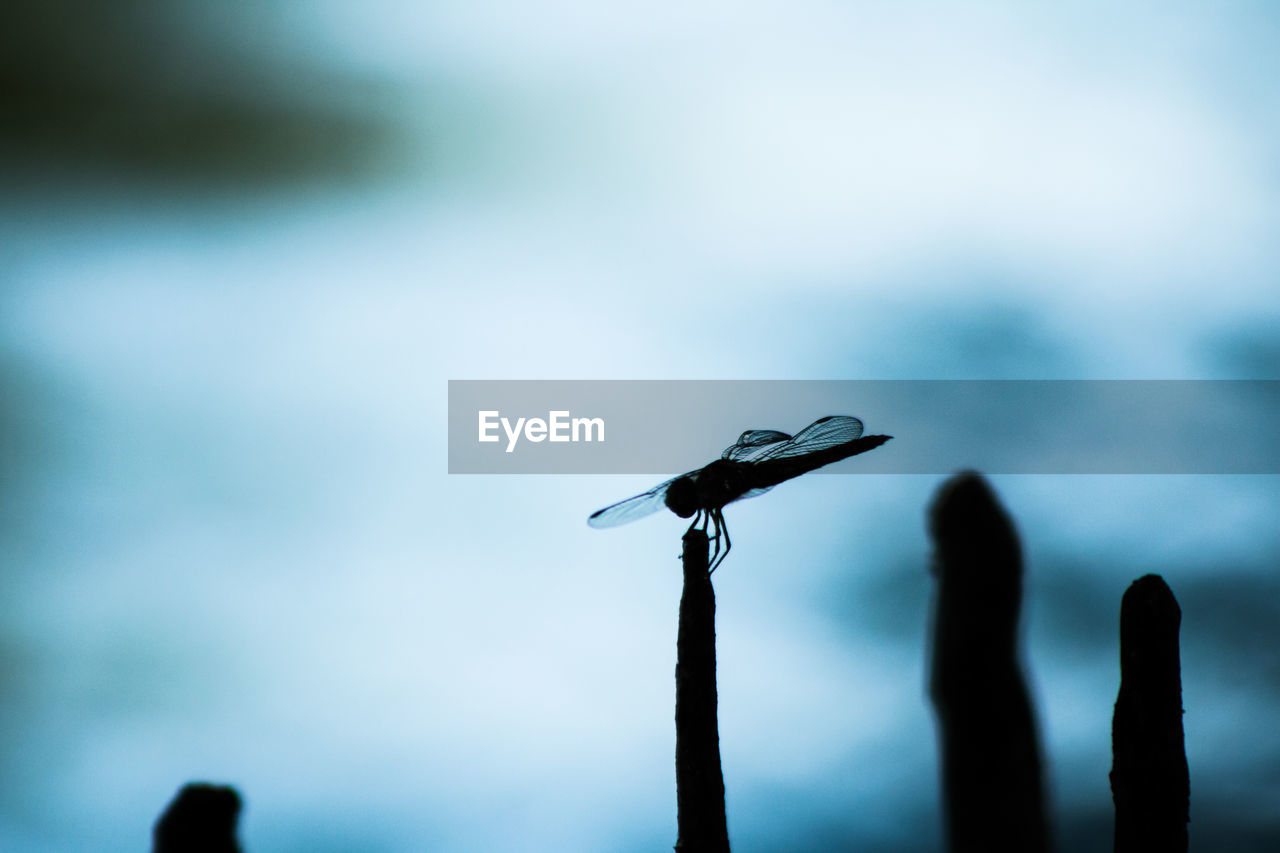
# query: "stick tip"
966,518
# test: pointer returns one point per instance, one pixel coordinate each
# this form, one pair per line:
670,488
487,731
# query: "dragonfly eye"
682,497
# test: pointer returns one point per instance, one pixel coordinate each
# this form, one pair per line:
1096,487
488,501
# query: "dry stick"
993,793
699,779
1149,780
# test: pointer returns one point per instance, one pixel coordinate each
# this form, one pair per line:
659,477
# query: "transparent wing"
754,493
752,443
822,434
632,508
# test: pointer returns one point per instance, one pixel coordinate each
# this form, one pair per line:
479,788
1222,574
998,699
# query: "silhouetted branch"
1150,783
993,793
201,819
699,780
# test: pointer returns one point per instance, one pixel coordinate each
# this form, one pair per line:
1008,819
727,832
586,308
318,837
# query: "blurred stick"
202,818
699,780
993,793
1150,783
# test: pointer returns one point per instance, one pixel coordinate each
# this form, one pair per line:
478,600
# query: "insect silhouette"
759,460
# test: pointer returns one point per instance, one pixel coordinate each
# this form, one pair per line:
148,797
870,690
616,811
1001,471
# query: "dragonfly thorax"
712,487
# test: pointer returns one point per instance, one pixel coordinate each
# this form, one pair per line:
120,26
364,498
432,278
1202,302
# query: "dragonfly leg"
697,519
721,527
715,519
700,520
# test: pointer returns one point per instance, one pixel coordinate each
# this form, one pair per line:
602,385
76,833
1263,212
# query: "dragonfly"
759,460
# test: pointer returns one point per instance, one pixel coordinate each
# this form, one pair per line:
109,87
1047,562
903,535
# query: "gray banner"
938,426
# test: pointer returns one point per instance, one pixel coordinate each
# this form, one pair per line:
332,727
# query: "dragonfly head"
682,497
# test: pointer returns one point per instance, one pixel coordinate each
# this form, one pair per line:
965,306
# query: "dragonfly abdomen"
769,473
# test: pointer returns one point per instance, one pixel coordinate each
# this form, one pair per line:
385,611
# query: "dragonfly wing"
752,443
632,508
753,493
822,434
771,472
826,440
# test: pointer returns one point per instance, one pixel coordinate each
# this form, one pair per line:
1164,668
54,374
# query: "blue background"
244,247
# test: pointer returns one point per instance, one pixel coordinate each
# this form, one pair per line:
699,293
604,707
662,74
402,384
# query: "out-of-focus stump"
991,767
1150,783
699,780
201,819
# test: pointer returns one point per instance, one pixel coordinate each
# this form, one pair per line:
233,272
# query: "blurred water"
242,251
